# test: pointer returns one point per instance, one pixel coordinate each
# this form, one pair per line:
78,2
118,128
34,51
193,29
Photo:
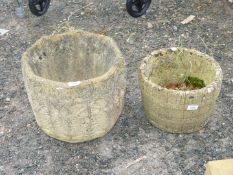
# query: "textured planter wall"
178,111
75,83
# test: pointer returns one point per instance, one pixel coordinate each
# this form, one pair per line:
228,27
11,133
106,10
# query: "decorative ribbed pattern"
75,83
178,111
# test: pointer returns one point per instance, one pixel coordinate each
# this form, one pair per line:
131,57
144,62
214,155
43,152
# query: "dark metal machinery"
38,7
135,8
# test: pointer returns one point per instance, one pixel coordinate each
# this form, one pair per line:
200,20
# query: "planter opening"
66,58
179,69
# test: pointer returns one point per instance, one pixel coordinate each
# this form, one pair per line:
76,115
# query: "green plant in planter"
184,81
196,82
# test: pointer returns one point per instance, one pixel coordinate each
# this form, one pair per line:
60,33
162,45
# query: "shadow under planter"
178,111
75,83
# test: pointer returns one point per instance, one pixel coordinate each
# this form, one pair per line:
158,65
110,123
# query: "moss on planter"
196,82
189,83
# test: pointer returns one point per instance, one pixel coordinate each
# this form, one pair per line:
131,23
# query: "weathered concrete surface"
179,111
76,84
133,146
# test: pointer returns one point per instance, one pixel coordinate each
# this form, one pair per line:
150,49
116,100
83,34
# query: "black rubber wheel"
39,7
137,8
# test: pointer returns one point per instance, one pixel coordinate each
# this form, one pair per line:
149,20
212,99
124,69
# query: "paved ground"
133,146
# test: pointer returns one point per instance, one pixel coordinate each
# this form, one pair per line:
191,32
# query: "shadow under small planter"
75,83
178,111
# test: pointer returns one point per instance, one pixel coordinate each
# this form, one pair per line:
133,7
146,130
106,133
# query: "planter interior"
71,58
173,67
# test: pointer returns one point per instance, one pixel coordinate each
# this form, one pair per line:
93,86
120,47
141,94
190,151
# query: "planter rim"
209,88
110,72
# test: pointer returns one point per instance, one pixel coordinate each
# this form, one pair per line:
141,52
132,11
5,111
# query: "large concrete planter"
178,111
75,83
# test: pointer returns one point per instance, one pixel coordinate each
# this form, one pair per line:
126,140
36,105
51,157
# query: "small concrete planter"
178,111
75,83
